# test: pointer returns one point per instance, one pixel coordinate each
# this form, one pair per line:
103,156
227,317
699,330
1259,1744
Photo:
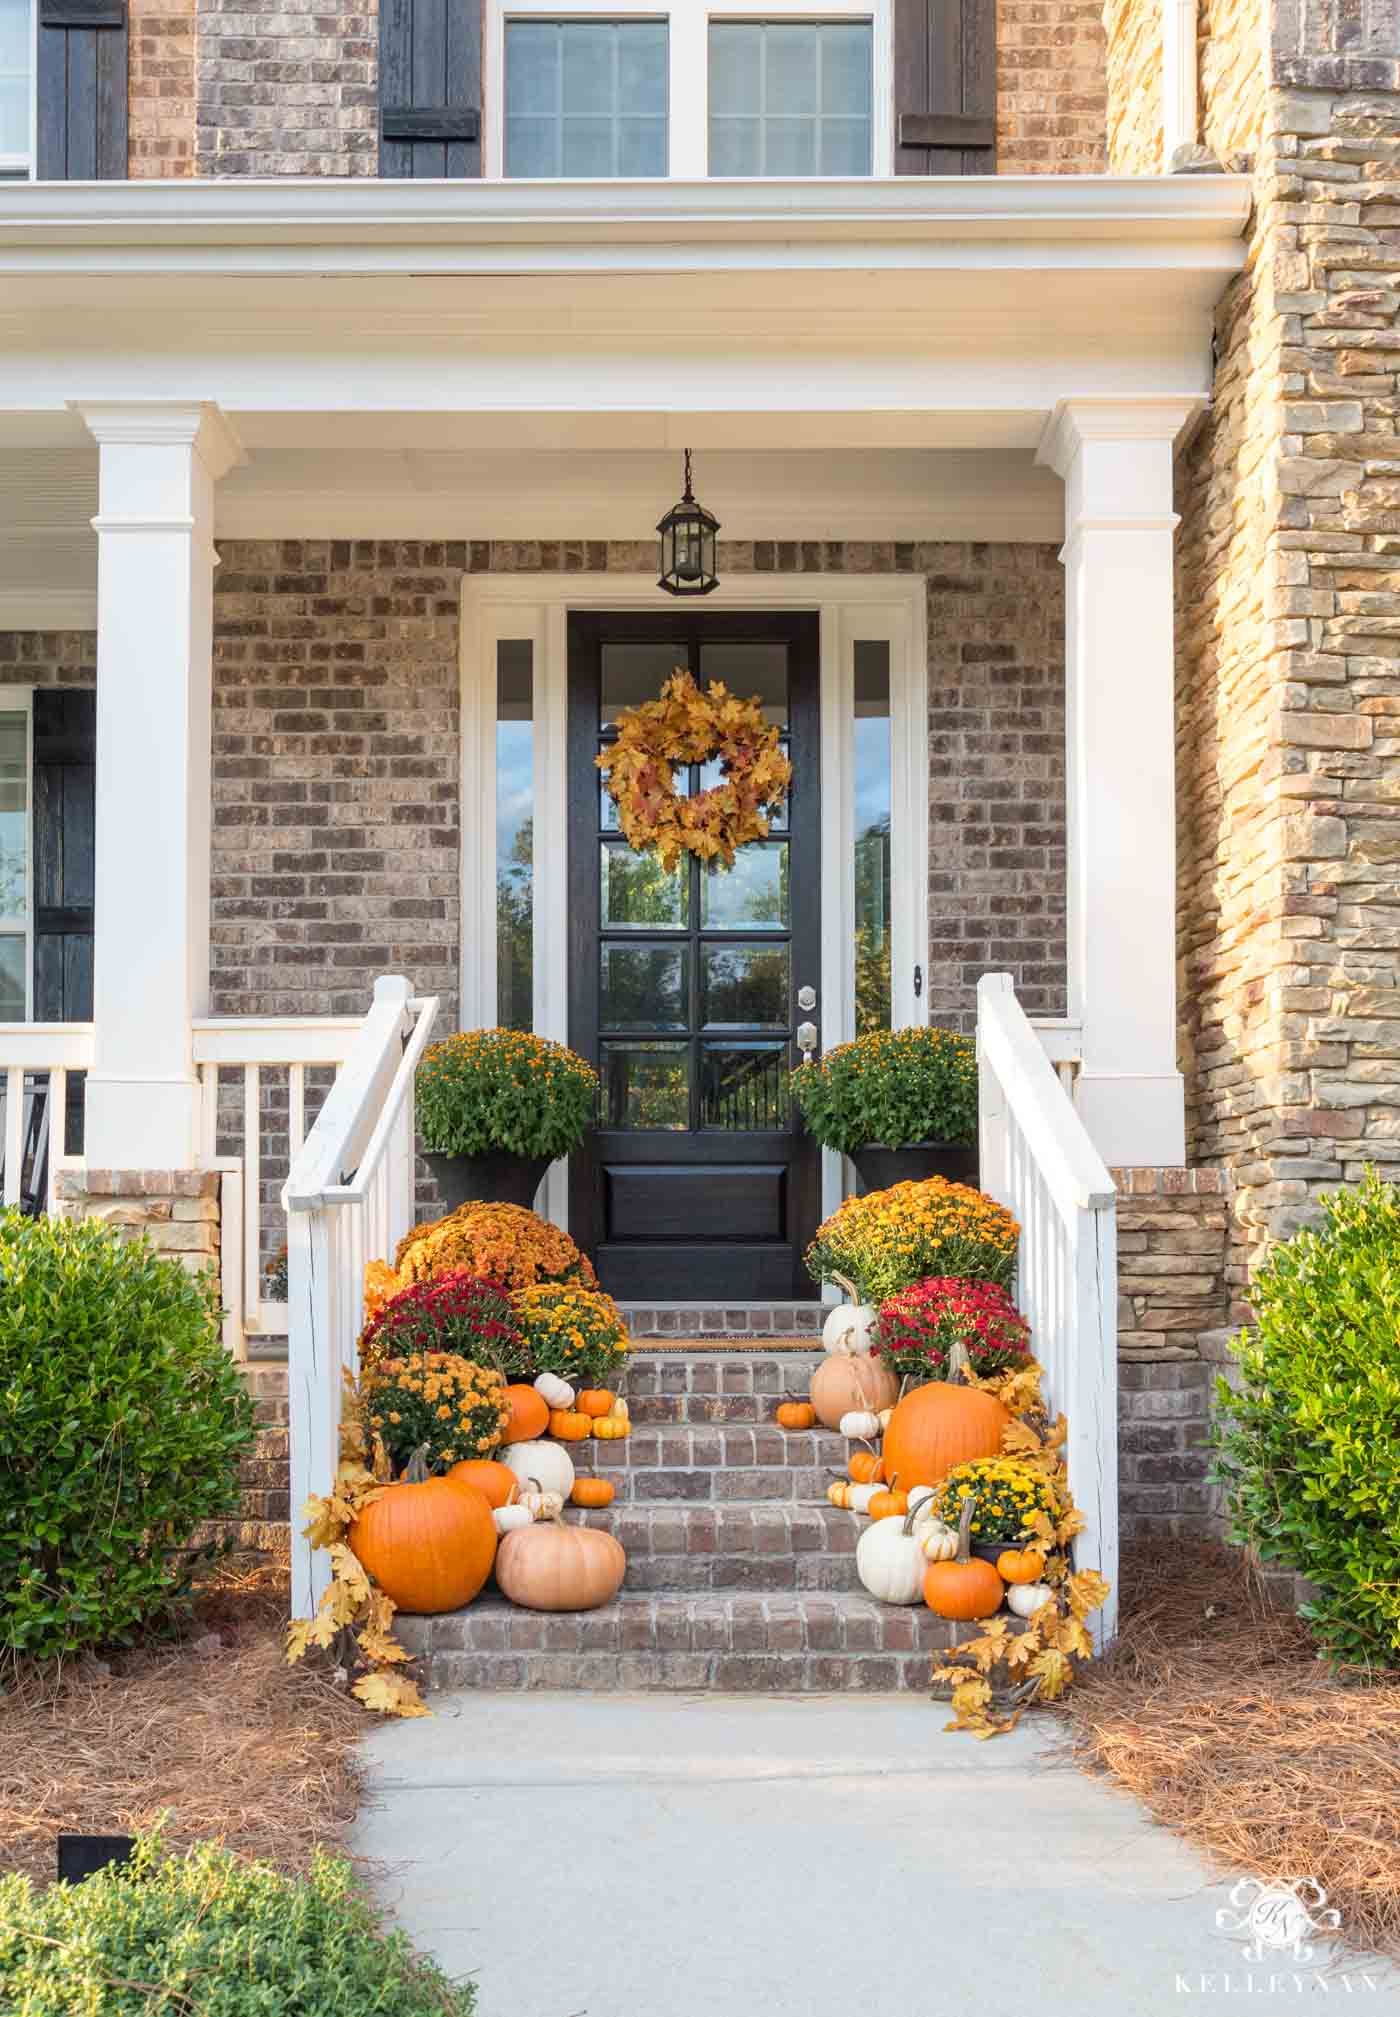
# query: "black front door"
699,1181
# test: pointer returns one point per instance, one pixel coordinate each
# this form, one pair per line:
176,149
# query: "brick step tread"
704,1410
687,1446
754,1527
258,1537
718,1372
761,1673
800,1622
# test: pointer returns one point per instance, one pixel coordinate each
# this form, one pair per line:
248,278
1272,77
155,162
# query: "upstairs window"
630,88
16,89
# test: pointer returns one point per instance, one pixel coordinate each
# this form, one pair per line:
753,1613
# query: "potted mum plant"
495,1108
902,1104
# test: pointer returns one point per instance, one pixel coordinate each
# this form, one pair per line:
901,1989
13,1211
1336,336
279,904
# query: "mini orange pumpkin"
570,1425
428,1542
595,1401
966,1587
885,1503
1021,1565
866,1468
592,1492
529,1415
497,1483
796,1415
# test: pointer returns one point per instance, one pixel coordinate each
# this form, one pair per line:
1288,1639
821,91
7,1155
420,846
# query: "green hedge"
207,1934
122,1422
1309,1449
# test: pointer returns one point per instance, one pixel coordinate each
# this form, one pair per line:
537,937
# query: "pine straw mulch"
213,1728
1214,1709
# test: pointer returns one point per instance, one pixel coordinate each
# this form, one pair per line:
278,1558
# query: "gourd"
497,1483
551,1567
545,1465
867,1467
887,1501
596,1401
884,1419
427,1542
554,1392
1021,1565
1025,1599
570,1425
842,1384
848,1331
965,1587
839,1494
529,1415
944,1423
796,1415
611,1428
859,1423
890,1562
540,1504
937,1539
620,1411
592,1492
508,1518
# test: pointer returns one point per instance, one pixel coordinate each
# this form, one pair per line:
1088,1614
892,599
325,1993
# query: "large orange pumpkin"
841,1384
497,1483
551,1567
428,1542
937,1426
966,1587
529,1415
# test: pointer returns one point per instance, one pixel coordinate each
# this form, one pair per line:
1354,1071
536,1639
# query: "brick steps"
682,1547
801,1643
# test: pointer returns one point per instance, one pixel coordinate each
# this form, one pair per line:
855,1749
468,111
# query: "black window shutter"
82,91
65,754
430,87
945,62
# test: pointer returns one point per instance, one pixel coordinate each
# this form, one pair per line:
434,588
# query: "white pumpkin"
558,1393
859,1424
849,1330
937,1541
922,1501
1025,1599
890,1562
549,1465
859,1496
508,1518
541,1505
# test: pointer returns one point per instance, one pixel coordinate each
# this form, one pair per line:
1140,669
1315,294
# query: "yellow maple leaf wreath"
687,726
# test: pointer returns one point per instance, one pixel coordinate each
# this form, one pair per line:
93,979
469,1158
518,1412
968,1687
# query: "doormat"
716,1342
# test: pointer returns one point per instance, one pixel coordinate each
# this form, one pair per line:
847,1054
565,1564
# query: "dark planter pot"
879,1167
498,1179
987,1551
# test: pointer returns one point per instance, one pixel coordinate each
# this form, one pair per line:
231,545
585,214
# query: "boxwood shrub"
1309,1447
122,1421
208,1932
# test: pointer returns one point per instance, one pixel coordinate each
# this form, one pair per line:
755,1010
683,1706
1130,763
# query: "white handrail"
1038,1161
349,1199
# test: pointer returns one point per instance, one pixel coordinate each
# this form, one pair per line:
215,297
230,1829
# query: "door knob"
806,1040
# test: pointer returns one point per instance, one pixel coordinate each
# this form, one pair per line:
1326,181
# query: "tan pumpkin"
427,1542
944,1423
839,1494
841,1384
551,1567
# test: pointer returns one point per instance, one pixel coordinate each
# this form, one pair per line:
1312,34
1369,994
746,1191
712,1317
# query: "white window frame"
851,608
20,700
20,167
688,99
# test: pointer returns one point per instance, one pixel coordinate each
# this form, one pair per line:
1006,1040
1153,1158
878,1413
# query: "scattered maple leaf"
390,1694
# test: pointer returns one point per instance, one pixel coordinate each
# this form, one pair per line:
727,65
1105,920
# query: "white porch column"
1116,461
157,469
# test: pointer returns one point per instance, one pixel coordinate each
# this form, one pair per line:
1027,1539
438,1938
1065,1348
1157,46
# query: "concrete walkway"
817,1856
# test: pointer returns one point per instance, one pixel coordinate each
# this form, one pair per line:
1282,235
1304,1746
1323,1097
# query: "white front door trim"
852,608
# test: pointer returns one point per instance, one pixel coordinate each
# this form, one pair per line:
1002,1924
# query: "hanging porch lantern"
687,559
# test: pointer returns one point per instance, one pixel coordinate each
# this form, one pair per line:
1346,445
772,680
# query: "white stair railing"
1038,1161
349,1200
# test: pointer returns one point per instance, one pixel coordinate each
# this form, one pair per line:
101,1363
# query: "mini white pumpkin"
849,1330
884,1418
546,1466
558,1393
859,1424
937,1541
890,1562
542,1505
859,1496
508,1518
1025,1599
922,1500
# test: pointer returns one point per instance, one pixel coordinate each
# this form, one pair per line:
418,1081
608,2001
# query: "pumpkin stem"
969,1507
959,1364
416,1470
852,1293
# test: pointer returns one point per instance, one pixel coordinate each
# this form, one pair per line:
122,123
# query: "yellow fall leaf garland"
687,726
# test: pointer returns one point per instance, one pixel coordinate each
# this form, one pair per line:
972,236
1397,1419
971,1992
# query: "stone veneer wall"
1051,87
1133,72
176,1210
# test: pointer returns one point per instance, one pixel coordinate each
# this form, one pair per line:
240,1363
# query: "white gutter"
149,216
1180,123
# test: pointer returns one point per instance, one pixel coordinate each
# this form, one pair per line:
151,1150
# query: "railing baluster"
252,1186
296,1110
14,1132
